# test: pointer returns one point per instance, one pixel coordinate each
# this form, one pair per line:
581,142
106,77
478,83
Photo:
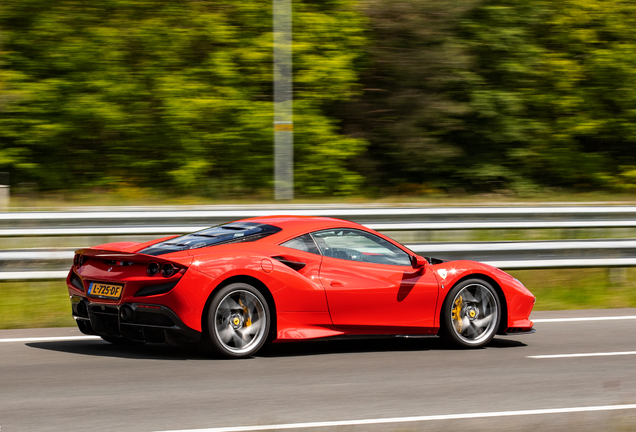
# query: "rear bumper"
132,321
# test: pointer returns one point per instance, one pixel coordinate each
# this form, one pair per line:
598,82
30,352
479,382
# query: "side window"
303,243
355,245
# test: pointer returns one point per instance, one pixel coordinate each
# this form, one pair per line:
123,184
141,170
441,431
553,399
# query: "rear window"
234,232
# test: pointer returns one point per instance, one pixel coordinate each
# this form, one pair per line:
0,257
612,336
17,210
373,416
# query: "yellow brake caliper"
456,314
248,321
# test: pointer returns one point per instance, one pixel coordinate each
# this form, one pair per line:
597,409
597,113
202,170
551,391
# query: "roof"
301,224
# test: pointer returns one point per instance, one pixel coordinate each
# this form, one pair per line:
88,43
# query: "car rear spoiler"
134,257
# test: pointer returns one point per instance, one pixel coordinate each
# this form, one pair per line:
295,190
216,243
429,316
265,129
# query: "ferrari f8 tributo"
239,285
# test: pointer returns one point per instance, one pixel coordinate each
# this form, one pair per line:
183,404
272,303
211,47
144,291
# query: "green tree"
551,100
498,94
170,94
415,65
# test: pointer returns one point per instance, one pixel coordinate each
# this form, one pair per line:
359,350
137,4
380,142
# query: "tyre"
238,321
471,314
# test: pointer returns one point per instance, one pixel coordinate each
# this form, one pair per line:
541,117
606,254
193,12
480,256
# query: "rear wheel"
238,321
471,314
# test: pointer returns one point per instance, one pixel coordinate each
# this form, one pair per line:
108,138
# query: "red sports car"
283,278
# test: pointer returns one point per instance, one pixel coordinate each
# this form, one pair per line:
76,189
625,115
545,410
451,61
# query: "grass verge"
596,288
32,304
128,195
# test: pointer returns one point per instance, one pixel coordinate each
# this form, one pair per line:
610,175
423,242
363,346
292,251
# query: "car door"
307,293
371,283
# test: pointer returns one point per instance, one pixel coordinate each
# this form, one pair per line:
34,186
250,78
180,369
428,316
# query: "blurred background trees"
392,96
170,94
487,95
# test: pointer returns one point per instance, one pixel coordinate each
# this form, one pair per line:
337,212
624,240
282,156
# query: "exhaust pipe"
127,314
82,309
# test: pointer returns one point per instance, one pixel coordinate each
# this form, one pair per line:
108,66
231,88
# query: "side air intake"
296,265
77,282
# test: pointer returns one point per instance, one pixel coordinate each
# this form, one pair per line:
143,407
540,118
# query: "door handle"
335,283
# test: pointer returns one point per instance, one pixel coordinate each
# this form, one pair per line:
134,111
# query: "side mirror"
418,262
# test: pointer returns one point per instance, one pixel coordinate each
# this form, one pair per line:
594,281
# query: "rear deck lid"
235,232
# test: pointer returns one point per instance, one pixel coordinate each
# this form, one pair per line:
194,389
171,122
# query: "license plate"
98,289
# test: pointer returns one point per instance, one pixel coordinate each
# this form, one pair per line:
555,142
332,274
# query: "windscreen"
222,234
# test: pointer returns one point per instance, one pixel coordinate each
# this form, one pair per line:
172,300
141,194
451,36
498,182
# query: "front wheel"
238,321
471,314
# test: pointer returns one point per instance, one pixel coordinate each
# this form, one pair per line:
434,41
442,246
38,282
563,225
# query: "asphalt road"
79,385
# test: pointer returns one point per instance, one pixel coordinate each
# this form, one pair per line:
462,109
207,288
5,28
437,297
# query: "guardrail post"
4,191
617,276
4,197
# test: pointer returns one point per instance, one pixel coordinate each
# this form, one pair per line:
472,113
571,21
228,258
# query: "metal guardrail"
357,213
504,265
97,231
485,250
43,264
388,227
505,255
321,210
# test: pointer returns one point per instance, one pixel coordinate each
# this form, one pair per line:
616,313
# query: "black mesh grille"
103,309
234,232
150,318
156,289
77,282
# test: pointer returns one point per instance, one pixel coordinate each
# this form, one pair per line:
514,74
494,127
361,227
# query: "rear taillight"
168,270
79,260
152,269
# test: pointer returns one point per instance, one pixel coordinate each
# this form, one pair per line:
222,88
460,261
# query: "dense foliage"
176,94
500,94
391,95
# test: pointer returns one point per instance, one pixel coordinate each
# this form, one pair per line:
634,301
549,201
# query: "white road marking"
546,320
411,419
34,275
576,319
50,339
548,356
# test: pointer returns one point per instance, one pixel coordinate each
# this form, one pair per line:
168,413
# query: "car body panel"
519,300
387,296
